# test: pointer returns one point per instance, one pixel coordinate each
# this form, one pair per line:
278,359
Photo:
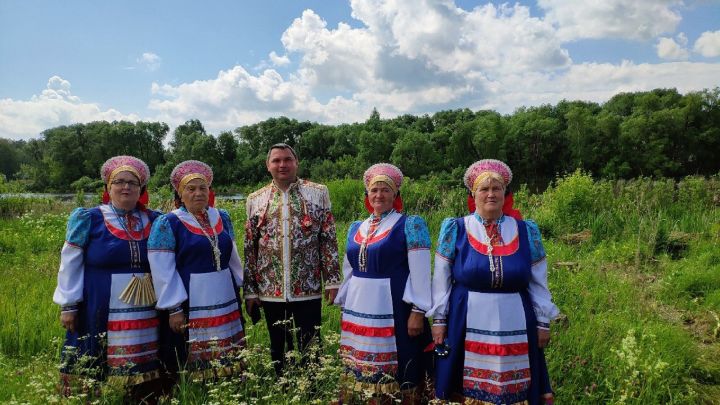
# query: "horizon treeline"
658,133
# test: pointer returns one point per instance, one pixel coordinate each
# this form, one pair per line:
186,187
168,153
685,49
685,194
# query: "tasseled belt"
139,291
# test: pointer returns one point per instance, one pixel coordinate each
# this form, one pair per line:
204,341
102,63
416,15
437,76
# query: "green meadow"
634,268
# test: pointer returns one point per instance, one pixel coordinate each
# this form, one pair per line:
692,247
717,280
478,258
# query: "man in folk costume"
290,254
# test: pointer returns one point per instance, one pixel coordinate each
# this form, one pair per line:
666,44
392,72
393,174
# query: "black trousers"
302,317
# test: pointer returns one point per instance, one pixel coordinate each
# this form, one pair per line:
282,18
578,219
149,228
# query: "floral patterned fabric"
78,227
416,233
292,268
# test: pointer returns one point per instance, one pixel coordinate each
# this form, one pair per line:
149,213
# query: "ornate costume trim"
211,322
219,372
121,163
368,330
120,231
349,384
181,174
501,250
117,326
368,316
508,349
125,380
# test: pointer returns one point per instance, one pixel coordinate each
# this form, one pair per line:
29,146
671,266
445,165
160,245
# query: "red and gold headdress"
189,170
388,174
478,172
124,163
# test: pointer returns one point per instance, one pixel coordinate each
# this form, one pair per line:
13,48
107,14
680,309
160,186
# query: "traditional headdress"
478,172
189,170
388,174
124,163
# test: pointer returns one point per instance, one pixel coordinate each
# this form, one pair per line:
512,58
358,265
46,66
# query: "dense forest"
655,133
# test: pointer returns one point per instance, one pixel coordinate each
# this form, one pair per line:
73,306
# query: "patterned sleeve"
444,258
70,279
235,262
347,267
417,287
328,246
545,309
537,250
252,238
169,287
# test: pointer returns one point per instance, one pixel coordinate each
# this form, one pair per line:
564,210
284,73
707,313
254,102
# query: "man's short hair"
281,145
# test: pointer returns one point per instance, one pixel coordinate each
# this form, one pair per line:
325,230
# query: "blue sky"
233,63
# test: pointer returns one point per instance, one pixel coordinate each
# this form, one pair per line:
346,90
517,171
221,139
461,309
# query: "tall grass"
635,270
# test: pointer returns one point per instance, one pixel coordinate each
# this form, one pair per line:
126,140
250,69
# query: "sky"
233,63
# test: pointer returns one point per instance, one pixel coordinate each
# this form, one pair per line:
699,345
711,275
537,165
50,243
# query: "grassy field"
635,270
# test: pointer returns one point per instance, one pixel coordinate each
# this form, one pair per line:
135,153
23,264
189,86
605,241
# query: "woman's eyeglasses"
123,183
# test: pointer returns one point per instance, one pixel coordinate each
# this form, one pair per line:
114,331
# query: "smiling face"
124,190
489,199
282,166
195,195
381,197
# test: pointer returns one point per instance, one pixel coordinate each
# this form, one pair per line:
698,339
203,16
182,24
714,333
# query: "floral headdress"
189,170
124,163
478,172
388,174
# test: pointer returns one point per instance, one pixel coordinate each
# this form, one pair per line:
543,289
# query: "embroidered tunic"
377,296
114,339
290,243
185,274
492,317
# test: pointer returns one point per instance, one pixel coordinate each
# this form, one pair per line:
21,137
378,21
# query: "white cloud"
279,60
149,61
708,45
670,49
636,19
235,97
54,106
410,58
424,57
598,82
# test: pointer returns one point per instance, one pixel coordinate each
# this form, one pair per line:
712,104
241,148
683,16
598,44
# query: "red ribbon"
214,321
510,349
132,324
369,331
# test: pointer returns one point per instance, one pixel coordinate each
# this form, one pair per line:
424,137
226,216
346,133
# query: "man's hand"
543,337
250,303
415,323
330,295
178,322
69,320
439,333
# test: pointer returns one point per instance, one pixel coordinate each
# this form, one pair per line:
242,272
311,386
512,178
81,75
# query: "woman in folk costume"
104,285
197,274
384,295
491,303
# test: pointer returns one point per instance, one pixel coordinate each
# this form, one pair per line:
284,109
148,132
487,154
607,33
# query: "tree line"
658,133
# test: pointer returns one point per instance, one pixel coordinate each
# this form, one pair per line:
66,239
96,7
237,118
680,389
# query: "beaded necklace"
214,240
375,222
492,229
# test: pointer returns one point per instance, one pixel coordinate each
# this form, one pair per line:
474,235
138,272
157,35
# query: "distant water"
57,196
91,196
